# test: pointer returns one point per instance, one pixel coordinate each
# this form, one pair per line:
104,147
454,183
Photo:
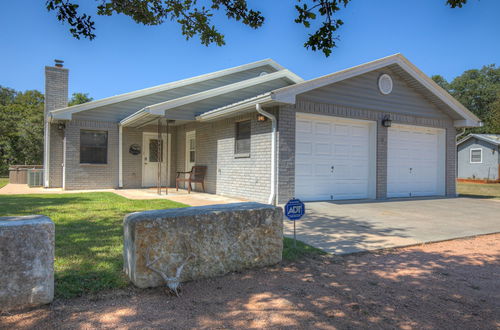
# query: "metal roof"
117,107
491,138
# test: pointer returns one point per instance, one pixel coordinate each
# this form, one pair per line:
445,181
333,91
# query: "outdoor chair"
196,175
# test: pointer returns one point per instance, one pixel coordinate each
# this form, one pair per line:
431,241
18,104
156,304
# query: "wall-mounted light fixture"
387,121
261,118
61,126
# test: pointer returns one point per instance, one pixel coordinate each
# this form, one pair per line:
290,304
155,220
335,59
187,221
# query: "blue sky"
126,56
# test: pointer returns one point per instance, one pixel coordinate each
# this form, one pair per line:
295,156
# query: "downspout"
120,156
272,196
46,151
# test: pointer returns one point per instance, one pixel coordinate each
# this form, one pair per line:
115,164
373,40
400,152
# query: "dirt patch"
453,284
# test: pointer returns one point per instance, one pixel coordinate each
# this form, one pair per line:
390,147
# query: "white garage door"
415,161
334,158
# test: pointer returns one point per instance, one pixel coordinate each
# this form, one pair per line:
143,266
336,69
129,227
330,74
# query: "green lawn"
3,181
89,235
482,190
302,250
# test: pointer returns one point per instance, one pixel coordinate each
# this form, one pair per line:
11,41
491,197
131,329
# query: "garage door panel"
414,162
332,142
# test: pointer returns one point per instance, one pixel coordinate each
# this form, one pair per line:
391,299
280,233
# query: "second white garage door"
415,161
335,158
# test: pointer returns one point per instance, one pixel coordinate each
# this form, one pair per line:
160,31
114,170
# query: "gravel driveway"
447,285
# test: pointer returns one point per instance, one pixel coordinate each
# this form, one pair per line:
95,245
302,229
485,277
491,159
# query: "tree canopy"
195,17
479,91
21,126
79,98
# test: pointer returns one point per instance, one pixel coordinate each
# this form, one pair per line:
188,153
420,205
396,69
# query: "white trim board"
288,94
65,113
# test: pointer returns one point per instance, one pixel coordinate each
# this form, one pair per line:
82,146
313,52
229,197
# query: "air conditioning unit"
35,177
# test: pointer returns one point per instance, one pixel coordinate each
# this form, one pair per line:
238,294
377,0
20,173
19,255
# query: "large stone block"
26,261
221,239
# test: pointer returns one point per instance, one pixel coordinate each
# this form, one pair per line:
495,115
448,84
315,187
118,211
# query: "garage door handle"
333,167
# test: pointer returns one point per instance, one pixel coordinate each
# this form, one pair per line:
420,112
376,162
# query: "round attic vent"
263,73
385,84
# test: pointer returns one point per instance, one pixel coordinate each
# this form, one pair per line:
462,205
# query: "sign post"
294,210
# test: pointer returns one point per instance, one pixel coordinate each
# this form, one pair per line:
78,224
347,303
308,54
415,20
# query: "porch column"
120,156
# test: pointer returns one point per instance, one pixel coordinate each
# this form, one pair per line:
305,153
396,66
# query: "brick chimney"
56,86
56,97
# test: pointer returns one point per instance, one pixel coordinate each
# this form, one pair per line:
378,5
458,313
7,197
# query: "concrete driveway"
347,227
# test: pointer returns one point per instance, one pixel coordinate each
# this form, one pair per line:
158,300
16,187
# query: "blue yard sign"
294,210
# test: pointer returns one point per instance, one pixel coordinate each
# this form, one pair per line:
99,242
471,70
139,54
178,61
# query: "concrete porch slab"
181,196
348,227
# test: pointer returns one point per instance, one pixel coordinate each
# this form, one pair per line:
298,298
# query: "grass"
480,190
89,235
291,253
3,182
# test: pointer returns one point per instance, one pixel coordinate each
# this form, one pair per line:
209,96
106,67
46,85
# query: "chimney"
56,97
56,86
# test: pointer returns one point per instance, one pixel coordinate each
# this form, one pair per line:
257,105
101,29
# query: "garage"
415,161
335,158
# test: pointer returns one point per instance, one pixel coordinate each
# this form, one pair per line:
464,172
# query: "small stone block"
26,261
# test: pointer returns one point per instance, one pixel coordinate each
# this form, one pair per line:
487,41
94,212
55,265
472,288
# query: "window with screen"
243,133
476,155
93,147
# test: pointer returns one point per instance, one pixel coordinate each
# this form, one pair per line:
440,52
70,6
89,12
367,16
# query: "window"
153,150
93,147
242,145
476,155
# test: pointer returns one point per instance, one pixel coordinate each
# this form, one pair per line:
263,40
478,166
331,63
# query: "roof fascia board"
470,119
234,109
167,86
288,94
160,108
480,137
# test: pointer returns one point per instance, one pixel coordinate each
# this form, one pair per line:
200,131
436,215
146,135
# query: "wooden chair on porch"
196,175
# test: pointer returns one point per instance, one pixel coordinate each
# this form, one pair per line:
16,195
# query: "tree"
21,126
194,17
79,98
478,91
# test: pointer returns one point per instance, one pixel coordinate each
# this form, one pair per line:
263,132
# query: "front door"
154,157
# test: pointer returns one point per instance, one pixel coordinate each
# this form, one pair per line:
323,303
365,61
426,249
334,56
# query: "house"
478,157
378,130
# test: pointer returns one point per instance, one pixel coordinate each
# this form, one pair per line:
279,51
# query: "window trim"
242,154
470,155
80,147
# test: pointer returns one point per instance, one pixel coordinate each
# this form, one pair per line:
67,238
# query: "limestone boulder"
26,261
219,239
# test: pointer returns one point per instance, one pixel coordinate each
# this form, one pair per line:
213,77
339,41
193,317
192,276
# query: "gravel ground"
447,285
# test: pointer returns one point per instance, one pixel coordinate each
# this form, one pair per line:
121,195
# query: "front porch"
181,196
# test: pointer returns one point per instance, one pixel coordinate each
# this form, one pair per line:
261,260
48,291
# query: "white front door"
153,153
415,161
190,150
334,158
